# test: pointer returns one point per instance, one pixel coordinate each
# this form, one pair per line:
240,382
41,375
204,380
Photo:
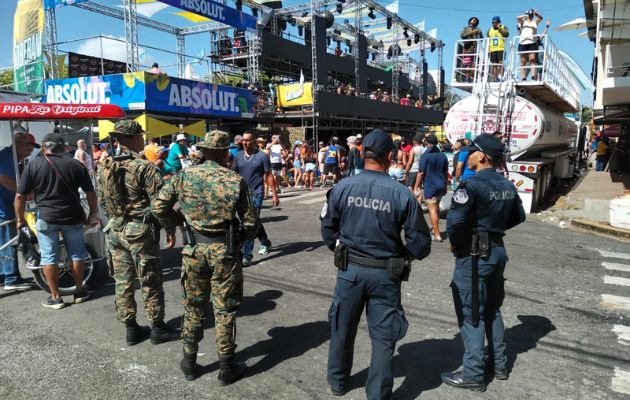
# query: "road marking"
612,254
621,381
302,196
623,332
616,267
613,302
312,201
615,280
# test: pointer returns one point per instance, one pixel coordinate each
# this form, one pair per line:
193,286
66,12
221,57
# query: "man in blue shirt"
433,173
24,145
255,168
462,172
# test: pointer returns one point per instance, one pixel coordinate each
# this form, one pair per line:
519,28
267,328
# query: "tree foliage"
6,79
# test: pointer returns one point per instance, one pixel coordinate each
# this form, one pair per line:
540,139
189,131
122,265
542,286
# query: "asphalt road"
565,341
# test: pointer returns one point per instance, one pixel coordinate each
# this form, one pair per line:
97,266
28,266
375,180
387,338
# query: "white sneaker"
263,250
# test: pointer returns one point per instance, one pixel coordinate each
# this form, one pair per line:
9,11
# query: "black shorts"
496,57
528,47
277,167
331,169
411,179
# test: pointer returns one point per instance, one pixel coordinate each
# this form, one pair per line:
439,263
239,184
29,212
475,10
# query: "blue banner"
124,90
217,12
181,96
50,4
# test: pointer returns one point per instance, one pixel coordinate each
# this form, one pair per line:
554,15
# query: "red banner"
39,111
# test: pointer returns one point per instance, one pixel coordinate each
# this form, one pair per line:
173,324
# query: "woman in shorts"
297,164
309,159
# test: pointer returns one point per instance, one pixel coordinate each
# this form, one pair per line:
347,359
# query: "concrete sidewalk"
587,206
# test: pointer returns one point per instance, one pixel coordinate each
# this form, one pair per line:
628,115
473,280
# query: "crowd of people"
529,45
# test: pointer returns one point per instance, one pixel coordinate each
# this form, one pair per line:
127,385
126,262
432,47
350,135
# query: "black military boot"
458,380
230,371
189,366
136,333
162,333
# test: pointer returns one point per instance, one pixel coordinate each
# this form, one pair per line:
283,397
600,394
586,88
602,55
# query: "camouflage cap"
215,140
127,127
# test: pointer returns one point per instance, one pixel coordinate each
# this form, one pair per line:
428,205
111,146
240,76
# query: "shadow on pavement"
259,303
275,218
421,363
285,343
289,249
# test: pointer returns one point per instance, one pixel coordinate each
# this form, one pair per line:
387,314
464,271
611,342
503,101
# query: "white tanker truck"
542,143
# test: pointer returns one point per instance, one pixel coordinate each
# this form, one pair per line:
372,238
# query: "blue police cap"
378,143
489,145
496,18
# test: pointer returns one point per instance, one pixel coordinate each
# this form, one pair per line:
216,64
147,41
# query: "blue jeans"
8,256
48,238
491,295
370,288
248,246
600,163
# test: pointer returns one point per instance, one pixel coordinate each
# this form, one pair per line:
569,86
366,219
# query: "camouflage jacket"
142,181
469,33
210,197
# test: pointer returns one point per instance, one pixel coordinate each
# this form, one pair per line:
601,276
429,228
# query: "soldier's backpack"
114,189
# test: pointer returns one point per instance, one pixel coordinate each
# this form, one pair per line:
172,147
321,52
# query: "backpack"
113,184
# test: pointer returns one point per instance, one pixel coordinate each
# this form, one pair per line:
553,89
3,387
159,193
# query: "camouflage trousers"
208,274
133,254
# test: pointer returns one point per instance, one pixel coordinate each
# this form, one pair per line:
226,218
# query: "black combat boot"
162,333
136,333
230,371
189,366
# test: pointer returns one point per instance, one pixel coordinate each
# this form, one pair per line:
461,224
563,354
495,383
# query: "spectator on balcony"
497,34
341,89
155,69
338,50
350,90
469,48
386,98
528,42
405,101
239,41
225,45
419,103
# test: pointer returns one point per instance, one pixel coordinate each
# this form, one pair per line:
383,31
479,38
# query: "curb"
601,227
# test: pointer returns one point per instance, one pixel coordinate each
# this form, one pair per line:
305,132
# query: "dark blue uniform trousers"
491,295
356,288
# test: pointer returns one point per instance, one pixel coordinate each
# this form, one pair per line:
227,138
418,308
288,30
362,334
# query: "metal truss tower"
131,35
315,6
51,42
253,68
181,54
357,32
395,68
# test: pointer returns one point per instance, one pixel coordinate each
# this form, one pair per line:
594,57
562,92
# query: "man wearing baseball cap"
482,209
214,201
362,223
497,35
24,145
128,185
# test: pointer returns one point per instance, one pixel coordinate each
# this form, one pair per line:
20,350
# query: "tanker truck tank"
535,127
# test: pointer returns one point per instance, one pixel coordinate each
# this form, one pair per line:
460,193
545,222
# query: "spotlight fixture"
373,56
405,33
239,5
409,42
416,39
339,7
304,14
432,47
300,30
371,13
389,22
292,21
350,48
255,12
328,40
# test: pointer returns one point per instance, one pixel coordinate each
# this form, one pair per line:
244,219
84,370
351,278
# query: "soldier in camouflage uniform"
127,184
210,197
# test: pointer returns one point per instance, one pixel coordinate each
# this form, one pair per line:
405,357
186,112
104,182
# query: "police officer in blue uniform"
362,223
482,209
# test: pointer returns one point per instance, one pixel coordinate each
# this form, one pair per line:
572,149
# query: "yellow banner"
295,94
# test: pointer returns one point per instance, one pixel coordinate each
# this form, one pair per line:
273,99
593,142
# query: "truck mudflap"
525,188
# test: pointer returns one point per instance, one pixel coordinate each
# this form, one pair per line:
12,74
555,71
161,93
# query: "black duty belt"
213,238
496,240
367,262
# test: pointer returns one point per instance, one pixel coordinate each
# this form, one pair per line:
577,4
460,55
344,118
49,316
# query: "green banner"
28,46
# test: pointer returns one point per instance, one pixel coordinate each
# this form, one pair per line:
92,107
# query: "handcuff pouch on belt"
484,244
341,257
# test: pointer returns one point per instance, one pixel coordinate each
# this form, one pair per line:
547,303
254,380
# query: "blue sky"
449,16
